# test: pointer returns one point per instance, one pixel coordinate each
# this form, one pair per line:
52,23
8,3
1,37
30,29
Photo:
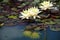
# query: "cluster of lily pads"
46,13
13,13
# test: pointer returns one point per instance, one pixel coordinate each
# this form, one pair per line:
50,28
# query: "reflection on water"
16,33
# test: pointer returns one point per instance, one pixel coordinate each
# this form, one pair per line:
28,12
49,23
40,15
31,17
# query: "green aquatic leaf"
57,21
38,20
49,21
1,16
35,35
57,16
36,1
13,17
27,33
31,34
55,29
5,0
37,29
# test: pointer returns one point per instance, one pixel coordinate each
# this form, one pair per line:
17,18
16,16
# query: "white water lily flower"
46,5
25,14
31,12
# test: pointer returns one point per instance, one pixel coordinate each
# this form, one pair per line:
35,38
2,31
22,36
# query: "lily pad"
13,17
27,33
1,16
51,22
57,21
35,35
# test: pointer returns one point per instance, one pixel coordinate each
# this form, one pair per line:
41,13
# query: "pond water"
16,33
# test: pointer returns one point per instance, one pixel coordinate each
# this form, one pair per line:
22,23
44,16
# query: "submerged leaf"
27,33
35,35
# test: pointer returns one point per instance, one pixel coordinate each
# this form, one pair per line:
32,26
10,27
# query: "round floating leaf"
27,33
1,16
35,35
50,22
13,17
37,29
5,0
57,21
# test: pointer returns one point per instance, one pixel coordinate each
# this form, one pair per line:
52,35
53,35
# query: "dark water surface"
16,33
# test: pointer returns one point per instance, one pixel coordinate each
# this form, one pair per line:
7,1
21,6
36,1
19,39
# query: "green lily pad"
57,16
38,20
13,17
51,22
1,16
57,21
5,0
